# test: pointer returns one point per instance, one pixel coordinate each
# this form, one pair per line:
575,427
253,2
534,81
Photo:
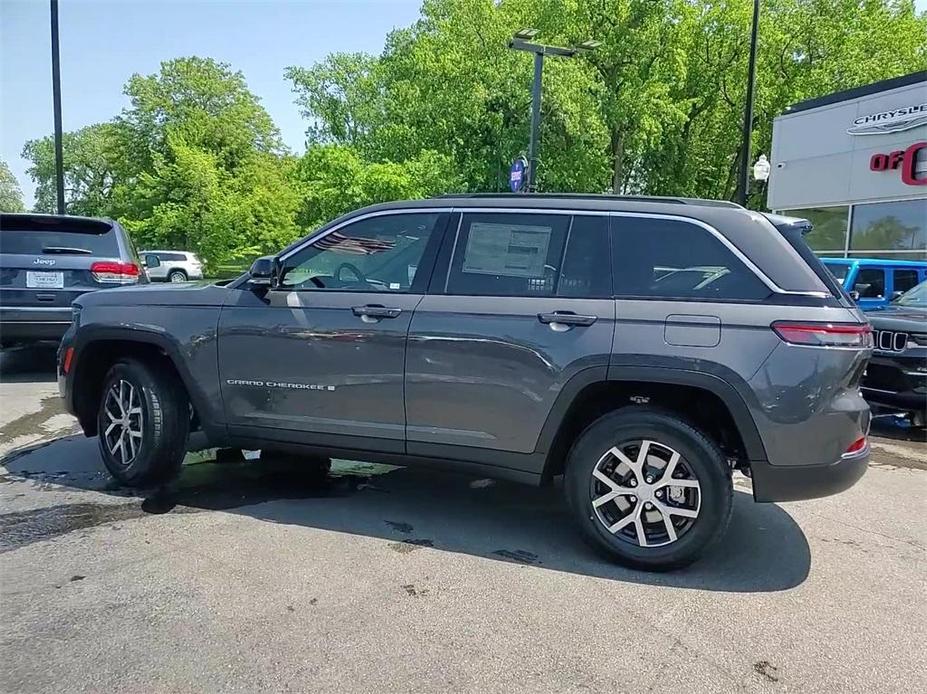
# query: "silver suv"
172,266
642,349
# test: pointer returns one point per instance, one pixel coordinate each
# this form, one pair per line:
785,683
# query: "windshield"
838,270
916,296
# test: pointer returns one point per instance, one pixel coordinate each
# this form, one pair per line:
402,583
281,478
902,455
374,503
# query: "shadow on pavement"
764,549
33,364
896,427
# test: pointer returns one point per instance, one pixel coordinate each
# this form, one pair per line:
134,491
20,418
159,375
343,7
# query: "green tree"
206,170
91,164
11,195
334,179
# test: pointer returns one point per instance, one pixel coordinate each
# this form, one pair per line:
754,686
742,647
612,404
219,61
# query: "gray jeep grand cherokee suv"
642,348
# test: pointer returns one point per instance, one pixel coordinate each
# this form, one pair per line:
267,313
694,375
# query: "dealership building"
855,164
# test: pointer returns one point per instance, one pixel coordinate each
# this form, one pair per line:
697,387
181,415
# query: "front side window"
514,254
870,283
377,254
660,258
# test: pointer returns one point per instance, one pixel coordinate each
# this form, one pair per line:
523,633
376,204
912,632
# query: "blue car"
876,282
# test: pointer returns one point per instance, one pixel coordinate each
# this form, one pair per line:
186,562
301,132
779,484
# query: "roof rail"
591,196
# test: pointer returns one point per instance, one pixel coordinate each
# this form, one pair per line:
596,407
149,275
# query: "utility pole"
56,97
744,186
522,42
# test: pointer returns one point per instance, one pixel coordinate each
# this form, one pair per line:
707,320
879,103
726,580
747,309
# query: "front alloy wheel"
643,492
124,434
143,419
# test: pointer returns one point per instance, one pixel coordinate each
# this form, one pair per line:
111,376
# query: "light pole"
748,109
56,101
522,42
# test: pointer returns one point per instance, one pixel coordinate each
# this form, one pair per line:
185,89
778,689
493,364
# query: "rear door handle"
566,318
375,311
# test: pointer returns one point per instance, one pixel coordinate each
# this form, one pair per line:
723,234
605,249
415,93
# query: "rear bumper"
27,324
794,483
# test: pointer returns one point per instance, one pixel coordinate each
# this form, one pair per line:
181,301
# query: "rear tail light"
825,334
66,362
114,272
858,446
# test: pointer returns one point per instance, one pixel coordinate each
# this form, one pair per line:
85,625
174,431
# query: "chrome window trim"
369,215
762,276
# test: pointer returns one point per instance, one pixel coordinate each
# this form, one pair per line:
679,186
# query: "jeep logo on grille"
888,341
43,261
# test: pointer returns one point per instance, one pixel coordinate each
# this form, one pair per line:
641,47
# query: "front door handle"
375,311
566,318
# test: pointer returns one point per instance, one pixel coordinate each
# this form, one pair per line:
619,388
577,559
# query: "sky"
103,42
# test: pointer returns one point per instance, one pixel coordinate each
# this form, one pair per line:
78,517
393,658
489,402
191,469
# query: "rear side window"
58,242
499,254
870,283
174,257
667,259
905,280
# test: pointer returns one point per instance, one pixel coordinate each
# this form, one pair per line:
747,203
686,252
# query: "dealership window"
830,228
896,229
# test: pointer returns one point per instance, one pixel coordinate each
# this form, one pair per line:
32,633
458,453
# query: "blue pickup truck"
875,282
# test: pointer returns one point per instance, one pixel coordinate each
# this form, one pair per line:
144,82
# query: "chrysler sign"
892,121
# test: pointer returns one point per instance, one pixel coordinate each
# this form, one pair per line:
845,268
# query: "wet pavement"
260,575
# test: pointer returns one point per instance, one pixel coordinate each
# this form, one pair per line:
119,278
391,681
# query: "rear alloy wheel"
644,493
648,489
142,423
177,276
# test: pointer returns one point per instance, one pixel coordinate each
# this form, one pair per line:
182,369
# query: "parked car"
874,282
520,337
896,377
172,266
47,261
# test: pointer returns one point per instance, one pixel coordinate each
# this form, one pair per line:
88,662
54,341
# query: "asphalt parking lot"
249,576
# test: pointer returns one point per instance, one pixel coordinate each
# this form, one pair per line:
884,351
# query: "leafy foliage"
11,196
195,162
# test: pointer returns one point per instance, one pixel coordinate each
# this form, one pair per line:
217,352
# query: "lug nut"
632,498
650,480
633,483
648,506
659,493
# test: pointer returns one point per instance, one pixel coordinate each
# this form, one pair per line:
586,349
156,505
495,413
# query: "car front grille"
890,341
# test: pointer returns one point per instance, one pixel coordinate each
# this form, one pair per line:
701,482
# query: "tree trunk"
617,145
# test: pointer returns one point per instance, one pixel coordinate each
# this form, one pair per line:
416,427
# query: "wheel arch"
706,400
100,347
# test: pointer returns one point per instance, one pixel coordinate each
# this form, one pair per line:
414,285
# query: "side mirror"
151,261
854,295
262,271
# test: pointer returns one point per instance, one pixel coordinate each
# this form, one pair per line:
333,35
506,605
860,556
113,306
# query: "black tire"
178,274
701,458
164,426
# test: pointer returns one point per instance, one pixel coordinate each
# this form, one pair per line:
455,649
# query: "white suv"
172,266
